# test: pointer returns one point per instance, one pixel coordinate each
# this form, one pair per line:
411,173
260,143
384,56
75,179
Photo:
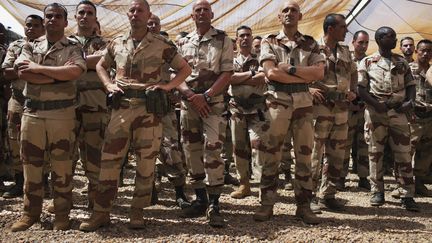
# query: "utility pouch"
157,102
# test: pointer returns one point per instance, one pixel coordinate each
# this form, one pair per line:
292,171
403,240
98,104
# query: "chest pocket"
398,76
381,78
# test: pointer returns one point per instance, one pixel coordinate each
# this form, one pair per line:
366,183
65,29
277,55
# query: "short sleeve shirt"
423,87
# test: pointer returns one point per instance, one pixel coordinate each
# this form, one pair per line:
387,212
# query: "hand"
163,87
406,107
200,105
317,95
28,66
351,96
113,88
381,107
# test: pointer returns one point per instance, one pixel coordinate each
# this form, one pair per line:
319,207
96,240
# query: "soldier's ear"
66,23
300,16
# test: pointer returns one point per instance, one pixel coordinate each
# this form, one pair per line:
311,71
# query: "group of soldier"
284,92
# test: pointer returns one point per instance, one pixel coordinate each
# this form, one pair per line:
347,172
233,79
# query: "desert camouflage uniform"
421,130
202,138
287,158
92,114
246,105
289,111
170,154
131,124
50,127
3,167
331,118
15,106
387,80
355,141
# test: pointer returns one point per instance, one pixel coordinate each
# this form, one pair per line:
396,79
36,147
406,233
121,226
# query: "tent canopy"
407,17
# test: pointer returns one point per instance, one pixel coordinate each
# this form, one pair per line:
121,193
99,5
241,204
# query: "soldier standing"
421,129
407,48
3,51
246,105
209,52
92,112
138,102
33,29
388,88
356,145
170,154
49,65
291,61
332,96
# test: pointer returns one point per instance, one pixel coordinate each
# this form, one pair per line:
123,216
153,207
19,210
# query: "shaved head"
141,1
201,2
290,3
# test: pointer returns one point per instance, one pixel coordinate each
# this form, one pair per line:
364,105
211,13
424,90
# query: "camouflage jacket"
423,87
58,54
208,56
12,54
304,51
243,97
338,69
385,79
92,96
142,64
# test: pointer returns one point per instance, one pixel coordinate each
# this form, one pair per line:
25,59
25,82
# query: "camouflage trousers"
13,131
246,133
202,140
356,144
421,142
90,127
298,122
331,130
391,128
57,137
287,158
228,147
129,126
170,155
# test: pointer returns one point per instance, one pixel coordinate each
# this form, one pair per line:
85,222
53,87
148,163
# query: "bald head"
290,3
290,14
201,2
141,1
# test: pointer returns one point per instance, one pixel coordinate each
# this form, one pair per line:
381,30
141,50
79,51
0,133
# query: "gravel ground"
359,222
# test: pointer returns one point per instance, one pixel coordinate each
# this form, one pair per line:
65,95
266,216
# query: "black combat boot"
213,214
198,206
181,199
17,189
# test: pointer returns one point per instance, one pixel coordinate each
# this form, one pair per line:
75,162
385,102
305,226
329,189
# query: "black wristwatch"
253,73
292,70
207,97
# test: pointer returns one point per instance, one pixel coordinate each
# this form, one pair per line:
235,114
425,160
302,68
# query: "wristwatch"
207,97
292,70
253,73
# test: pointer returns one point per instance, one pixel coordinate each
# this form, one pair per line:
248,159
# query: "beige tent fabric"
407,17
261,15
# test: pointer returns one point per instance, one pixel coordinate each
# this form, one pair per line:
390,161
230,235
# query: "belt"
134,93
83,86
49,104
248,103
288,88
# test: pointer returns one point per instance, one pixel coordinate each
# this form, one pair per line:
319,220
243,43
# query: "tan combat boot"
305,213
263,213
25,222
243,191
136,220
97,220
61,222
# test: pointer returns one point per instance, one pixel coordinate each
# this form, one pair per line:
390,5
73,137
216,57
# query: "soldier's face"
138,14
54,19
256,46
361,44
244,38
388,41
424,53
290,14
33,28
407,47
339,30
85,16
153,25
202,13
